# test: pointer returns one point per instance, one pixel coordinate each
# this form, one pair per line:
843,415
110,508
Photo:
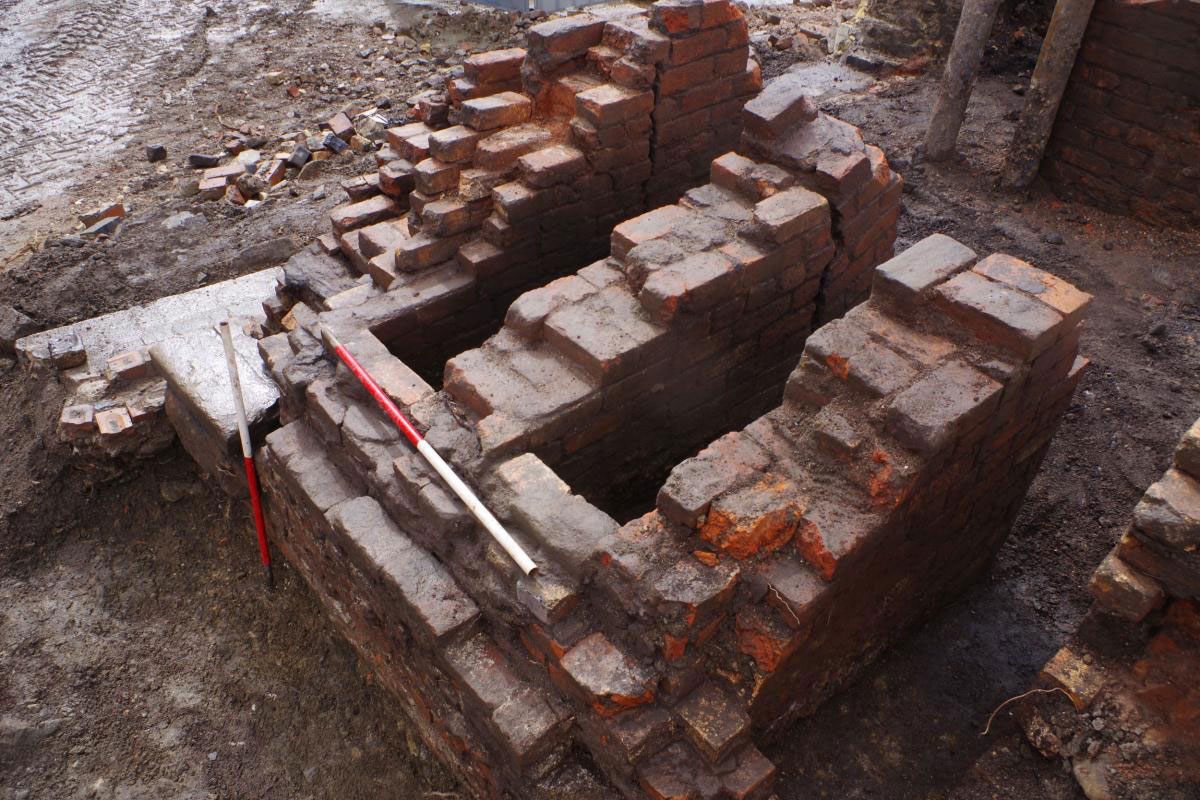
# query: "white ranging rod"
473,504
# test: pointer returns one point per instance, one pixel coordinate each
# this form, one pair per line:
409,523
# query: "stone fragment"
202,161
104,212
13,325
155,152
1187,455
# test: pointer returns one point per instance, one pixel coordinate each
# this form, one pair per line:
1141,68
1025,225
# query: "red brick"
496,111
494,66
367,212
998,313
609,104
945,403
785,215
606,679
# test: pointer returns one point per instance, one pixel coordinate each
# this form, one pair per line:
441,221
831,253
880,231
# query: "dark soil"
143,657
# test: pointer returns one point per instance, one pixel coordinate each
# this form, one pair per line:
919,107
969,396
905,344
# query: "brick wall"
1133,658
664,647
518,172
1127,138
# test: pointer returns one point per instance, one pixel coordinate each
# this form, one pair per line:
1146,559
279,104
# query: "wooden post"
974,28
1045,92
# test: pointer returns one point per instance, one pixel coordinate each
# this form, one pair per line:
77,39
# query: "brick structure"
1133,660
1127,137
664,639
520,169
744,456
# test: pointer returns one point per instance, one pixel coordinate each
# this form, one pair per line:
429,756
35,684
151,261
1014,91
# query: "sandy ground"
140,655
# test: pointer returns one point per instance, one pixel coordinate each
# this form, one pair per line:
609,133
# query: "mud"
141,656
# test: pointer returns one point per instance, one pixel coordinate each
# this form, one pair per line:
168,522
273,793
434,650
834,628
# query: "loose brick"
781,106
1054,292
696,283
494,66
1170,510
551,165
918,269
453,145
1123,591
562,39
790,213
366,212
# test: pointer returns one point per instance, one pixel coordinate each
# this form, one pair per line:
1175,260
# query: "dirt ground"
141,656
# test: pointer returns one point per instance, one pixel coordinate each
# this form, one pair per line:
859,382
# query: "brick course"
1127,137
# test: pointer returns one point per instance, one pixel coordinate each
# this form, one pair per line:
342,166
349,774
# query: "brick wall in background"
1127,137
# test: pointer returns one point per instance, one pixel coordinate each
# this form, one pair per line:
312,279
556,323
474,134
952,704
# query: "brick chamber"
1127,137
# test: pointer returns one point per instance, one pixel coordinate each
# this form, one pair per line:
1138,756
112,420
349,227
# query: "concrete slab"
194,367
139,327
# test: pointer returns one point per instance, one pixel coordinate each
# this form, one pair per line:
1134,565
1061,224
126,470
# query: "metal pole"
473,504
247,451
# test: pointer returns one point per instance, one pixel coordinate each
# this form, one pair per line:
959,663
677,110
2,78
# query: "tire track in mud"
69,75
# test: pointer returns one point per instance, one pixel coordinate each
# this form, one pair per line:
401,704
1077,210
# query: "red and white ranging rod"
247,452
473,504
